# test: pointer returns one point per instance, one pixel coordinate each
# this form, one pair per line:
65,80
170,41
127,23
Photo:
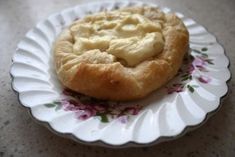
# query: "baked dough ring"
99,73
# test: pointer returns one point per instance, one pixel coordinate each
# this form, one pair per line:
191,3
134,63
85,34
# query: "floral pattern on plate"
191,63
85,107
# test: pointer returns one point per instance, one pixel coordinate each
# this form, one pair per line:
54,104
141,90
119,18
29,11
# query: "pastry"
122,54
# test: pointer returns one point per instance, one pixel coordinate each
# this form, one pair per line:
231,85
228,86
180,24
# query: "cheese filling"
130,37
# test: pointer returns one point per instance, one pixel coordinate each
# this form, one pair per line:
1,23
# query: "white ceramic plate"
166,114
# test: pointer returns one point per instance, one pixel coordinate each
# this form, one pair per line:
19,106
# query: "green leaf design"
204,49
50,105
184,79
197,51
103,117
190,88
195,86
209,61
57,102
185,75
205,55
58,107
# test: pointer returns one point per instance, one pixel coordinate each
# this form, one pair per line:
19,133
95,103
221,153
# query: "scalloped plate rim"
100,142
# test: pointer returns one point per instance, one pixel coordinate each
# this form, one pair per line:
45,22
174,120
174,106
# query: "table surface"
21,136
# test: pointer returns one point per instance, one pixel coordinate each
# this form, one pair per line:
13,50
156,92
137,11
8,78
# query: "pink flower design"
123,119
99,108
64,102
85,107
204,79
198,62
133,110
70,105
175,88
190,69
85,114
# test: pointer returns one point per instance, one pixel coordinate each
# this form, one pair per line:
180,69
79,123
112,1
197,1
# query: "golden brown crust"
106,78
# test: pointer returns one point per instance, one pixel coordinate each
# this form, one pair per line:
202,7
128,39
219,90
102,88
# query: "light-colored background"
21,136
